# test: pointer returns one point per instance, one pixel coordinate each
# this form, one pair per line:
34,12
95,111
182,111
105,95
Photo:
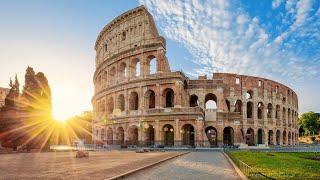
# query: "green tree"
309,122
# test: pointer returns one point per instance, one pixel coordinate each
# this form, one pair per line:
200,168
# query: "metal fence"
247,170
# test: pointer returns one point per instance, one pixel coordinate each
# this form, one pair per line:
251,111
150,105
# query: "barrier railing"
247,170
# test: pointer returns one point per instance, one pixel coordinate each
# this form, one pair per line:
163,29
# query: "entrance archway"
110,136
212,135
250,137
284,136
270,137
133,135
168,135
228,135
150,135
278,136
120,136
187,132
260,136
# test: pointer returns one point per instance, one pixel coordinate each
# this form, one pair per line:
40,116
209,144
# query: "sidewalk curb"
146,166
242,176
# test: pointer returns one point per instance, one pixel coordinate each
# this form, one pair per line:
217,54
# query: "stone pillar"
266,137
281,137
177,134
158,96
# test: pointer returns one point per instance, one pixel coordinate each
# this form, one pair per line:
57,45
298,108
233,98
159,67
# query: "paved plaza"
195,165
64,165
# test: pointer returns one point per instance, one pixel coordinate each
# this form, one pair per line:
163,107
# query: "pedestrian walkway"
195,165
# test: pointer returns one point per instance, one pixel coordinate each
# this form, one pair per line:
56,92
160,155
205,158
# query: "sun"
61,117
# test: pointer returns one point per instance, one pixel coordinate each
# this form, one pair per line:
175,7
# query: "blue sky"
276,39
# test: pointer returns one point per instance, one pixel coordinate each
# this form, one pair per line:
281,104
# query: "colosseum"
138,100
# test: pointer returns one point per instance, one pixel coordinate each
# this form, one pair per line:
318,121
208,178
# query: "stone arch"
211,101
135,67
260,136
249,109
103,134
289,138
168,135
284,115
110,105
249,94
278,136
188,135
133,135
284,137
194,101
110,136
277,111
149,134
288,118
150,99
238,106
121,102
269,111
120,135
168,94
134,101
250,137
123,70
212,135
260,110
270,137
228,136
112,75
152,64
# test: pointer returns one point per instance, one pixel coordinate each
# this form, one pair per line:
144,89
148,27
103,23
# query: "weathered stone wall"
3,94
138,98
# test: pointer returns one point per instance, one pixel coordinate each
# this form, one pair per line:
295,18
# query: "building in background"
138,100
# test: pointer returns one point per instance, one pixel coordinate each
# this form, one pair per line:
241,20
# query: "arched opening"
133,135
112,75
212,135
109,136
187,132
211,101
284,136
135,68
228,136
250,137
289,138
169,95
110,105
121,102
152,65
278,136
134,101
123,70
249,109
269,111
194,101
168,135
238,106
120,135
260,136
249,94
270,137
103,136
149,134
228,105
284,116
260,110
277,112
289,119
150,99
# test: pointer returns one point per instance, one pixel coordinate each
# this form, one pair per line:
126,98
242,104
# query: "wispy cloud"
222,37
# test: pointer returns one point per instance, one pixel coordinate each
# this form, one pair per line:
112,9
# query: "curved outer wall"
138,100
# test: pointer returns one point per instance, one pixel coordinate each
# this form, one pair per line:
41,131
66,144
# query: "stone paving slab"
64,165
195,165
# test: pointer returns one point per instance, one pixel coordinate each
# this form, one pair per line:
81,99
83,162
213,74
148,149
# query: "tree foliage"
310,122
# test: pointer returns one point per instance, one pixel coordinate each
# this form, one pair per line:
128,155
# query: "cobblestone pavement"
195,165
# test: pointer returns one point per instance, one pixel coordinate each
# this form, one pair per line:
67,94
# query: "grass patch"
281,165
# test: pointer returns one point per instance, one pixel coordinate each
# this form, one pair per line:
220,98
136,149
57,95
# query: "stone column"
177,134
266,137
157,132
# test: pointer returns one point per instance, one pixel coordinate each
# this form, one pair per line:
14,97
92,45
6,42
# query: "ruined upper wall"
131,30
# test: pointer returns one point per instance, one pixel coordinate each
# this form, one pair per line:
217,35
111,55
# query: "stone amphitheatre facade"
138,100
